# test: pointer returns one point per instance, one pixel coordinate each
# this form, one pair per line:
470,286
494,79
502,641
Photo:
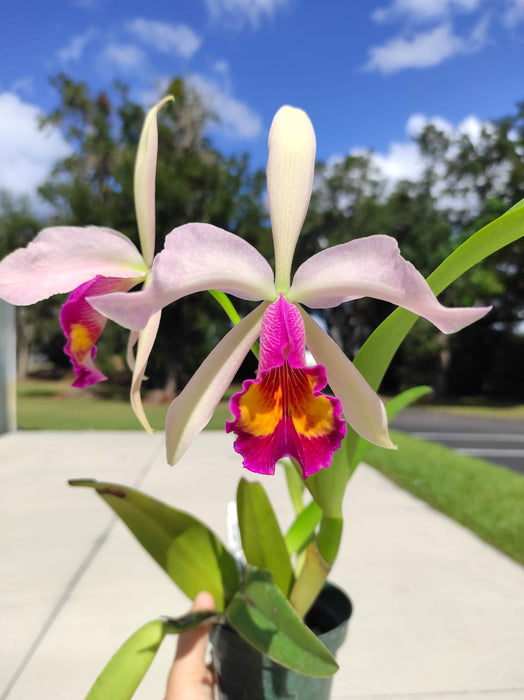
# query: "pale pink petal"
146,339
196,257
363,409
62,258
190,412
290,168
144,182
373,267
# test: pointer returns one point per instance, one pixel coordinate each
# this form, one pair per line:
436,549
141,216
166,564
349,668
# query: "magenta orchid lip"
282,413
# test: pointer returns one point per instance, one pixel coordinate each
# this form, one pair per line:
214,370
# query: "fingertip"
204,601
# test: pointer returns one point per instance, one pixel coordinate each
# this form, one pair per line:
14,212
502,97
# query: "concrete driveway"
437,613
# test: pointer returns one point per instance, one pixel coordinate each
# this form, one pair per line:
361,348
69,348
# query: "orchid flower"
281,412
94,261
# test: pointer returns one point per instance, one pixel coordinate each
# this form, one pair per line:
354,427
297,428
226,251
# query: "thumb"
189,678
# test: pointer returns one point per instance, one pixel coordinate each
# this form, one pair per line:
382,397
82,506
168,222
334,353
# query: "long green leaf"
126,668
124,671
262,540
295,483
303,528
184,547
393,408
264,617
327,485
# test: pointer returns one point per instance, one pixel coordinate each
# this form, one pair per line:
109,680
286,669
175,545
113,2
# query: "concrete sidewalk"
438,613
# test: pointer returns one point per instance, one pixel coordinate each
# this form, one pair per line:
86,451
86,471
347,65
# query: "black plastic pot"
243,673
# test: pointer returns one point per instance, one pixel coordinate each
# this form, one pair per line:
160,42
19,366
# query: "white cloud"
124,56
425,49
514,13
403,160
423,10
165,37
238,13
26,153
237,119
470,126
75,48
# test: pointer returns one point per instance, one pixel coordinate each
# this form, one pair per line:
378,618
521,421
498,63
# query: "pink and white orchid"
281,412
93,261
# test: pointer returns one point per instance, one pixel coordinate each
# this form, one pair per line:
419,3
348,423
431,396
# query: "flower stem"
231,312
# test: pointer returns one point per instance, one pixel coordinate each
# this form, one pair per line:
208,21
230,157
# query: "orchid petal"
283,413
131,342
290,167
62,258
195,257
146,339
144,182
190,412
363,409
373,267
82,326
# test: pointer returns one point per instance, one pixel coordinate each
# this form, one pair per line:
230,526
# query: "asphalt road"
496,440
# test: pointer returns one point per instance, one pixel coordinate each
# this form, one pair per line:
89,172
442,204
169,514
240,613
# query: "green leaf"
393,407
184,547
295,482
264,617
262,539
405,399
303,528
327,485
126,668
310,580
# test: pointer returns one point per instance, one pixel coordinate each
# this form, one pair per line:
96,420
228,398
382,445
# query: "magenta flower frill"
93,261
275,416
282,413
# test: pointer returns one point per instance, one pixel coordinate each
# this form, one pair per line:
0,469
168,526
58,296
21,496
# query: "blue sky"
369,73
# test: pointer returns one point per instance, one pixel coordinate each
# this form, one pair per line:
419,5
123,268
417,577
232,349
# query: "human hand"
189,677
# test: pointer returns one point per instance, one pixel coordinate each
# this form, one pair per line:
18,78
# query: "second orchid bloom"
282,412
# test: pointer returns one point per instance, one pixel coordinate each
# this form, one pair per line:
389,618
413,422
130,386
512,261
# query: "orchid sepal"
290,169
195,258
190,412
144,181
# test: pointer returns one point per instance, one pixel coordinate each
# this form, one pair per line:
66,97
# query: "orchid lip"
283,413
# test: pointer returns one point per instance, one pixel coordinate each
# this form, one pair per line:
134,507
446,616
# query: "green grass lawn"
52,405
487,499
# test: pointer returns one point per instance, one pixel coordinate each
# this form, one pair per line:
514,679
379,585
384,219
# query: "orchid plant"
279,417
